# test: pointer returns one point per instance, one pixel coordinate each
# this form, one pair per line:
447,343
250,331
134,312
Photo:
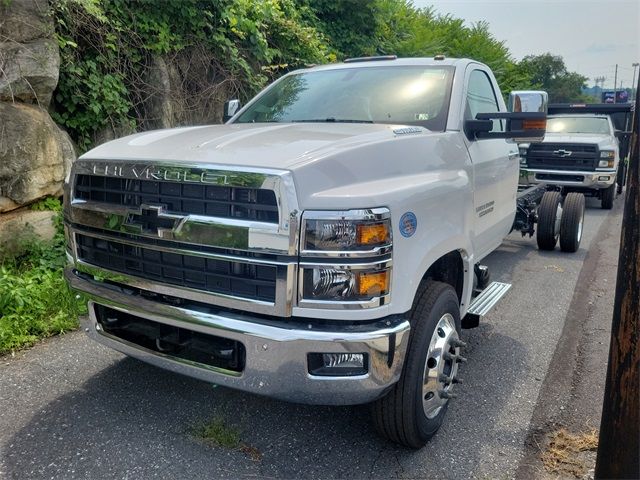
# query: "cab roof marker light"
370,59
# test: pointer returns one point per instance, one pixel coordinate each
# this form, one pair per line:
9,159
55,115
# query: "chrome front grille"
180,198
212,234
234,278
562,156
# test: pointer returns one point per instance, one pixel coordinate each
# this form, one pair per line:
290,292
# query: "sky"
591,36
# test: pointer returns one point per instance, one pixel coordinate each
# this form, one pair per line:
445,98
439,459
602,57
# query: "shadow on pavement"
132,419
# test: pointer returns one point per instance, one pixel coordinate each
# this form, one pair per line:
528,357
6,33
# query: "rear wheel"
549,215
607,196
572,222
412,412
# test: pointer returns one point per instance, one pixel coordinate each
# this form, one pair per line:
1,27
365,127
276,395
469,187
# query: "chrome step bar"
483,303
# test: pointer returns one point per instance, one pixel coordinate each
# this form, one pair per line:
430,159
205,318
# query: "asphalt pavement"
70,408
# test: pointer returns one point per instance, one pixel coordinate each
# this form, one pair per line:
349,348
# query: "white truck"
323,246
580,151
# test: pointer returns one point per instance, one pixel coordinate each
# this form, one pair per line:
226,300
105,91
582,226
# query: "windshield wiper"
331,120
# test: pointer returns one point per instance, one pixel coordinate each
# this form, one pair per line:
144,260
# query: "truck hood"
600,140
275,145
334,165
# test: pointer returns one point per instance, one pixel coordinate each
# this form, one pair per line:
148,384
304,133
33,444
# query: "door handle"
513,155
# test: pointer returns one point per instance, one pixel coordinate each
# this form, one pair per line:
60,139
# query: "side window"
481,98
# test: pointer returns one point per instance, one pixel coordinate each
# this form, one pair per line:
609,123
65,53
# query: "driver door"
495,165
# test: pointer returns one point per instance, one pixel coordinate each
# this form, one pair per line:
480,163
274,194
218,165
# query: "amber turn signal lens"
374,283
372,234
534,124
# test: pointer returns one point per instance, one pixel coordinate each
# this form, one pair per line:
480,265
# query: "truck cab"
319,247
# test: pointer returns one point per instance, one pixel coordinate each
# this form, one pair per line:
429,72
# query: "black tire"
548,231
620,178
399,415
607,196
571,223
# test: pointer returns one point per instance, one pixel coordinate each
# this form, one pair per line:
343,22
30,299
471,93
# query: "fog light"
603,179
337,364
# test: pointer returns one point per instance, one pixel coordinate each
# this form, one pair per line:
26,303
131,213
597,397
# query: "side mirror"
528,101
231,107
521,126
526,120
621,134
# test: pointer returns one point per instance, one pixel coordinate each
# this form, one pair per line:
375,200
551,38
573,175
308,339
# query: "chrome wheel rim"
440,366
579,236
556,230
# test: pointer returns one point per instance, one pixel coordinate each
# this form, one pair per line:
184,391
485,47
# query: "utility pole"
633,83
619,441
615,82
600,80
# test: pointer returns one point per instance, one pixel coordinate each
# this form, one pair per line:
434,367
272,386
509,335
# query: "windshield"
408,95
578,125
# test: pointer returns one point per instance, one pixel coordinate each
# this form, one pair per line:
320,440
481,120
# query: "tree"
350,26
549,73
410,32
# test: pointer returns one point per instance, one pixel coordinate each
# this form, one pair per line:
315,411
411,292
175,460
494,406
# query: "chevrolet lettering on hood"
173,174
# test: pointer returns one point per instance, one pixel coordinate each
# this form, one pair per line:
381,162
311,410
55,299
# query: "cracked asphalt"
70,408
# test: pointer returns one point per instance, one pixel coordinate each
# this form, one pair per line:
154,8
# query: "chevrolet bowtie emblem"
154,221
562,153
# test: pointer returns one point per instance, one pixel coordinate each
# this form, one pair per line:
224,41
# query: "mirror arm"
512,134
510,115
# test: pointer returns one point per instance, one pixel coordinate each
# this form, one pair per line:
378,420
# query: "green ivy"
35,301
106,49
49,203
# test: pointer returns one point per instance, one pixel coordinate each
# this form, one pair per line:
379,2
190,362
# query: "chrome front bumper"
595,180
276,354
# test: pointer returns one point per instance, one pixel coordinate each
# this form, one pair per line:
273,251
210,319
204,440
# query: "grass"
217,432
35,301
564,453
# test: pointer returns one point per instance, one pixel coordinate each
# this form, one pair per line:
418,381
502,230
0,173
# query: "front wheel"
412,412
607,196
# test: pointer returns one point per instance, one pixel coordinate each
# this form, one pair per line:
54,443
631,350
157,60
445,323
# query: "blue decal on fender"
408,224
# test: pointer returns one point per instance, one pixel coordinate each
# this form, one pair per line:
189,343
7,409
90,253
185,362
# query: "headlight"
610,155
342,283
328,237
353,230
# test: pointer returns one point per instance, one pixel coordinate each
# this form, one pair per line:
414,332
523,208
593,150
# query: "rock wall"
35,154
186,88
